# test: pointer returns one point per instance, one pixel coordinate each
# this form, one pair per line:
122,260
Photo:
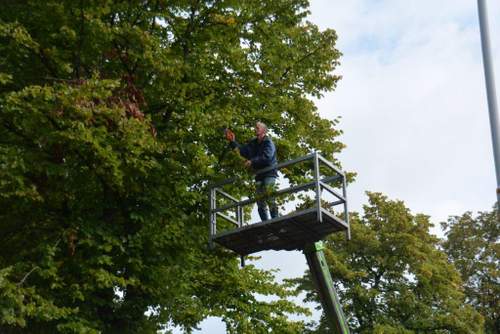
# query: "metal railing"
318,184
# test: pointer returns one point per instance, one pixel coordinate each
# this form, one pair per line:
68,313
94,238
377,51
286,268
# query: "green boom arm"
324,285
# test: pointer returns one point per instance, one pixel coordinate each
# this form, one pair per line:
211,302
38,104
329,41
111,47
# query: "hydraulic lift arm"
324,285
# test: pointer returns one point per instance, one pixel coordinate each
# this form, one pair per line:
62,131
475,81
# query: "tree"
392,278
472,245
110,130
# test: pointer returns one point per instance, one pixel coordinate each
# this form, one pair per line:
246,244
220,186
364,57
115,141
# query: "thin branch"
21,282
300,60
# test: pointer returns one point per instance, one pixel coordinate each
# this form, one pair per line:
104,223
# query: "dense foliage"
473,246
392,277
110,130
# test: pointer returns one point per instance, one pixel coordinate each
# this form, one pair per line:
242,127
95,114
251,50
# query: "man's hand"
230,135
248,163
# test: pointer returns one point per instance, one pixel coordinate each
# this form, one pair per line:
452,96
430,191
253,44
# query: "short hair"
263,125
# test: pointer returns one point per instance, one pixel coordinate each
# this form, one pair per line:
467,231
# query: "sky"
413,108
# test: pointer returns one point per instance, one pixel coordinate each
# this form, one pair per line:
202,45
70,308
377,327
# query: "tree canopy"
392,277
110,130
472,245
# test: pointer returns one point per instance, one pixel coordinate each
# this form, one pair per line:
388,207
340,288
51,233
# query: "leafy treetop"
110,130
391,276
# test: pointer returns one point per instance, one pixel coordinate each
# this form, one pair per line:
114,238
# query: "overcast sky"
413,107
413,101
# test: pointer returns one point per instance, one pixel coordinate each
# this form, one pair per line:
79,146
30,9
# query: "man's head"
260,130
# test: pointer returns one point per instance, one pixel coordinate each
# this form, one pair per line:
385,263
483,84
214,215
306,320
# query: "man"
260,153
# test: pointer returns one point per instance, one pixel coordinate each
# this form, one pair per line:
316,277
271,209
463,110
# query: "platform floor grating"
290,232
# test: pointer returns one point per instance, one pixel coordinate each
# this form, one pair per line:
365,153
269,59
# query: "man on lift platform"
260,153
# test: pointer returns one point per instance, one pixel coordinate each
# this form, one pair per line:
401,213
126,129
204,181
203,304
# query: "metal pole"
490,89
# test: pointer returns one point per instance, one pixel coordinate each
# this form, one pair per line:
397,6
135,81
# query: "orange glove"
230,135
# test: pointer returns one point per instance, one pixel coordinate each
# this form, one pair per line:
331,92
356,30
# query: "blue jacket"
261,155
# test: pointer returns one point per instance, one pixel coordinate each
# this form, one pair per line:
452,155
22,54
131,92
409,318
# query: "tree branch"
21,282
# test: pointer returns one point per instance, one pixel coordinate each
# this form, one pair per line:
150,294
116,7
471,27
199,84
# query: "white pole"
490,89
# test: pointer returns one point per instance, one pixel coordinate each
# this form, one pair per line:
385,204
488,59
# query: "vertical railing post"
346,210
318,186
240,219
213,222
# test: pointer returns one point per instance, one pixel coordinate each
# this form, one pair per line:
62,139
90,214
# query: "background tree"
472,245
392,278
110,130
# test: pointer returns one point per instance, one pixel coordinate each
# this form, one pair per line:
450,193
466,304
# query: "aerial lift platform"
301,230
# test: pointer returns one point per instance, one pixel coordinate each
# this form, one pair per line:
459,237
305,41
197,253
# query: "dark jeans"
265,187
